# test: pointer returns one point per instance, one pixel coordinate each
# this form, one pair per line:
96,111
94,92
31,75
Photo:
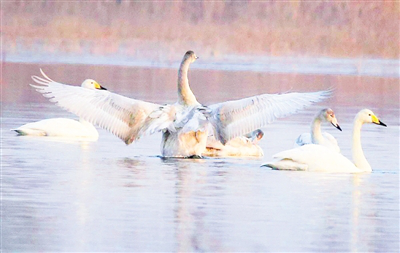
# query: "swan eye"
369,114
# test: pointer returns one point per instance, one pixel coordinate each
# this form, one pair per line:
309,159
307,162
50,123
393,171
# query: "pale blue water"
300,65
60,195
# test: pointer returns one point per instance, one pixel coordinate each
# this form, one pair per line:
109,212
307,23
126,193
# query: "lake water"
75,195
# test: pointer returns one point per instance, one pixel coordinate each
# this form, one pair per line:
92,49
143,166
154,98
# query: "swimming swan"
239,146
63,127
185,123
315,157
316,136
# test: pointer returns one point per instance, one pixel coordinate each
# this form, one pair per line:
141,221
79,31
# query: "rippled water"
65,195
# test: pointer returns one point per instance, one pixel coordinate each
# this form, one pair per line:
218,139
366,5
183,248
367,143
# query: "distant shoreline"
165,30
388,68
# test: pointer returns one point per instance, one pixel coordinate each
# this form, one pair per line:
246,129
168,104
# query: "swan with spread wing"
63,127
185,123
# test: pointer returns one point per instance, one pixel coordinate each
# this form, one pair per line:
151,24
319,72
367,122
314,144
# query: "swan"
239,146
63,127
315,157
184,124
316,136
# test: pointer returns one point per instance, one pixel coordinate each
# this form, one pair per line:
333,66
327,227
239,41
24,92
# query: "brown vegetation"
295,28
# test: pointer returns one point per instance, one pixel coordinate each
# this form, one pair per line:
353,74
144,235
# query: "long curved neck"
359,159
316,134
185,94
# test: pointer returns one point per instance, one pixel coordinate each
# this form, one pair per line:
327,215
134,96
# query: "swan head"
255,136
328,115
258,135
367,116
92,84
190,56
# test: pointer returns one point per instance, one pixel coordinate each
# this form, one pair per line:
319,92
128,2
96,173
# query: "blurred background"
159,30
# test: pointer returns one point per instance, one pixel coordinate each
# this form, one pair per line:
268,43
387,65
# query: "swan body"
60,127
314,157
63,127
239,146
184,124
184,130
318,137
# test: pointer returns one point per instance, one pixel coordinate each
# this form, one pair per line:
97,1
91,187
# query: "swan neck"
316,134
359,159
185,94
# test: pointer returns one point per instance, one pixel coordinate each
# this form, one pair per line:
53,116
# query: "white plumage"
184,124
316,136
236,147
236,118
120,115
313,157
62,127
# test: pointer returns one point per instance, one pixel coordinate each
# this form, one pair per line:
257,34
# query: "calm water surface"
76,195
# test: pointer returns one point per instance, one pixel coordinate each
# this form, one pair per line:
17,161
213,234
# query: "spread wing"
235,118
120,115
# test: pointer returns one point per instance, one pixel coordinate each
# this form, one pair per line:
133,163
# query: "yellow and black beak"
375,120
381,124
99,87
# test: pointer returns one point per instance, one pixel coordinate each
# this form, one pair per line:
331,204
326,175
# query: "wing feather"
238,117
120,115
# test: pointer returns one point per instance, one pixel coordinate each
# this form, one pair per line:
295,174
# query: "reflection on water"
106,196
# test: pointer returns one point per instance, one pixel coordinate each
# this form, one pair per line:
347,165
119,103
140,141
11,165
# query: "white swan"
315,157
318,137
239,146
184,124
63,127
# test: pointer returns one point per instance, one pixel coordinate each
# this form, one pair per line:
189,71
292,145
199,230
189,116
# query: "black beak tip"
102,88
337,126
382,124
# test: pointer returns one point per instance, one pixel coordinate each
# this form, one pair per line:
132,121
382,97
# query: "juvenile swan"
63,127
239,146
184,124
316,136
314,157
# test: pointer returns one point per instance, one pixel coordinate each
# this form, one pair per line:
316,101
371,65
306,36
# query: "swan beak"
337,126
375,120
99,87
381,123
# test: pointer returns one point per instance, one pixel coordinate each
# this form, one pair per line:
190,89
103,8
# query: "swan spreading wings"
63,127
184,124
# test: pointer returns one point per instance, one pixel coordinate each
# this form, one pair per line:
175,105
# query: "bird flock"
193,130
